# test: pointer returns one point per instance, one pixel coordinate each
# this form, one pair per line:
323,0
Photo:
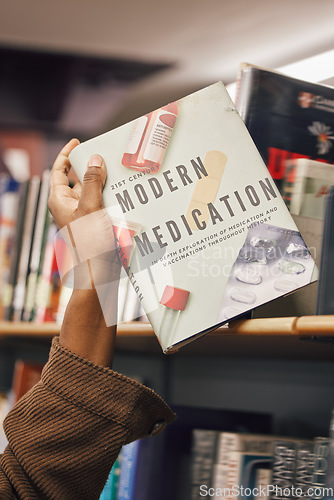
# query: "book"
204,443
229,461
320,467
241,473
110,489
325,295
44,281
309,187
287,118
304,468
173,454
4,409
26,245
26,375
9,286
263,477
127,475
203,232
291,458
37,247
9,198
330,470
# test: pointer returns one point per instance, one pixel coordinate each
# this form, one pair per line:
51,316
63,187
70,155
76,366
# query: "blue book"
111,487
126,487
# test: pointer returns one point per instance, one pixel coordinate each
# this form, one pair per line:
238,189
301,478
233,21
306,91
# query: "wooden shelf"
270,337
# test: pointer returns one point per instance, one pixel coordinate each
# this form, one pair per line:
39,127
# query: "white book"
211,236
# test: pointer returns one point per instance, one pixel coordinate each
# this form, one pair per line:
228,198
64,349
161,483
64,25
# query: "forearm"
84,330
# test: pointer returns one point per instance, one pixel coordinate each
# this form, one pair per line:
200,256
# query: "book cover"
287,118
202,230
309,187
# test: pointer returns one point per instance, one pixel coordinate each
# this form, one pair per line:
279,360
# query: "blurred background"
79,68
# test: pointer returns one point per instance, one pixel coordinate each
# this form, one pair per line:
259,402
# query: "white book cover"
203,232
310,187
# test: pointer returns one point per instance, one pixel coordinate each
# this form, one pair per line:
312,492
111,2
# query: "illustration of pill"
231,312
284,286
248,274
206,188
290,267
240,295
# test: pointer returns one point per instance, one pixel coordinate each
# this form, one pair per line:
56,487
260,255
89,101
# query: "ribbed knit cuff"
105,392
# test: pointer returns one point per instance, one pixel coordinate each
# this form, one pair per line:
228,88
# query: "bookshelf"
287,337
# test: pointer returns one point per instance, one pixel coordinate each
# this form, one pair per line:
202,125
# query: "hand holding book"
88,231
84,223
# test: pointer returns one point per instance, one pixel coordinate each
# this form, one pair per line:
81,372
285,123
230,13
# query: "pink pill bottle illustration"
149,139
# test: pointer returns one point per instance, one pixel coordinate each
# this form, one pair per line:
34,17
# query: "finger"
61,167
92,185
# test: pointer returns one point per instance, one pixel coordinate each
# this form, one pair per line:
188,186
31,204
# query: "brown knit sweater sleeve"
65,434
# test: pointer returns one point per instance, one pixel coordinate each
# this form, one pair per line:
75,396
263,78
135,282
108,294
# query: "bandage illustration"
206,188
149,139
174,301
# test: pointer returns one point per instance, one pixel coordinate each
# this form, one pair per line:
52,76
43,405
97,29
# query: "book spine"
234,441
37,246
283,469
320,467
27,238
203,457
304,468
232,475
262,483
325,298
9,202
14,263
330,472
128,471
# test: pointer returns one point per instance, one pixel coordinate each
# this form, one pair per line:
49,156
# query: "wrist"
85,329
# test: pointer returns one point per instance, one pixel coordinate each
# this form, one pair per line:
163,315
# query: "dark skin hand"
79,211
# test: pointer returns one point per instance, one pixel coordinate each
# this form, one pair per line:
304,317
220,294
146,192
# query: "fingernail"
95,161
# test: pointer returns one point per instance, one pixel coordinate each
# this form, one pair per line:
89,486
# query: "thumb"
92,185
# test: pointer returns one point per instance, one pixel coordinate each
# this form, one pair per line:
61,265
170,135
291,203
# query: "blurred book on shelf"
33,254
287,119
309,184
325,296
219,453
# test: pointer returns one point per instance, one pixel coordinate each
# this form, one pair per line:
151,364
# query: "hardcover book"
202,231
287,118
309,186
